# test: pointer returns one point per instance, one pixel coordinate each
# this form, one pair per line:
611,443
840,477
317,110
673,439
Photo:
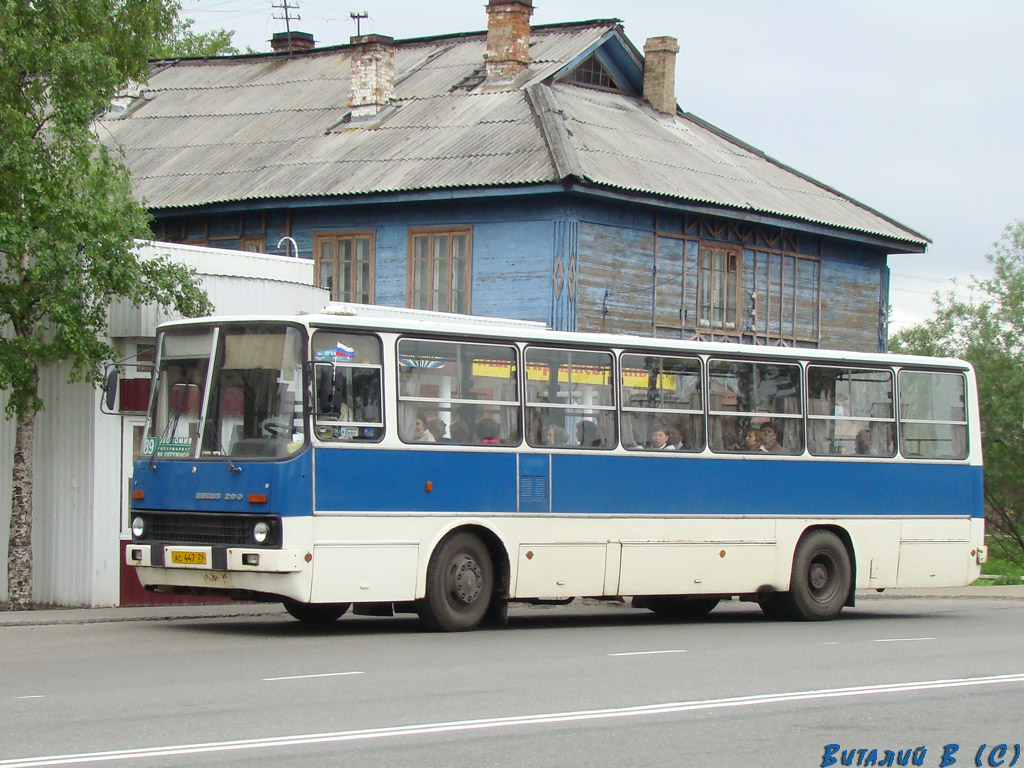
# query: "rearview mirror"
109,390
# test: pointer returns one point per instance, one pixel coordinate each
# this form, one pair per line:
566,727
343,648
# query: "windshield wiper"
167,428
231,465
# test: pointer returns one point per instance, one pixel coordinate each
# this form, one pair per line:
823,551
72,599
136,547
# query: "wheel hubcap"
466,580
821,578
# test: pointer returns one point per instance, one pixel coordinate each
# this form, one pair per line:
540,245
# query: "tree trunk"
19,553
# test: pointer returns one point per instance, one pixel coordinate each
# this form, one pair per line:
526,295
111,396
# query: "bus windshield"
249,405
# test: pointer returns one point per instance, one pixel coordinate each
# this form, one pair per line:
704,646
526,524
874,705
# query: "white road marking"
307,677
650,710
37,696
644,653
903,639
832,642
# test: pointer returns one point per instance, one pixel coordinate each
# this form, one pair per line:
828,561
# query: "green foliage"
68,221
1004,571
67,217
987,328
182,42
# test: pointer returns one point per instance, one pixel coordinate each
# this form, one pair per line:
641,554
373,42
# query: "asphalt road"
586,684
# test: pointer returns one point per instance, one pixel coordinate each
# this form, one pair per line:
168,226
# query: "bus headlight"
138,527
260,532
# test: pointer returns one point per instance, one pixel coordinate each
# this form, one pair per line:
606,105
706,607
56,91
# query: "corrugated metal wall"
63,492
77,470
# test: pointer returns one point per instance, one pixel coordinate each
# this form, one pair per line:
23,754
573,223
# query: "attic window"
593,73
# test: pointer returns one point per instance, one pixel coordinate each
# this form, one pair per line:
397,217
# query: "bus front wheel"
821,578
315,613
460,582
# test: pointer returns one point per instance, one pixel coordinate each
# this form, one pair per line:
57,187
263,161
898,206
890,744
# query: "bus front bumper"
241,559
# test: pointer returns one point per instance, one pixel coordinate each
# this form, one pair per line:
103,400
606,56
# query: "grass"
1000,572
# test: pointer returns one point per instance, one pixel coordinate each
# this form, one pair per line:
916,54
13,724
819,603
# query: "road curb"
55,616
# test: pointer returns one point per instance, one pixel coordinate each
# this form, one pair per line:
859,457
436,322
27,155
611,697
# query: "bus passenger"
589,434
862,444
554,435
659,440
460,432
487,431
675,438
771,443
437,429
420,433
753,441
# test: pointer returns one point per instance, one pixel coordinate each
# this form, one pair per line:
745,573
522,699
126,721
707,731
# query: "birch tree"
68,219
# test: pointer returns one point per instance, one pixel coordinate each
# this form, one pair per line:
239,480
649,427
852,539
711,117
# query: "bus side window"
572,391
661,393
850,411
463,393
933,422
748,397
347,386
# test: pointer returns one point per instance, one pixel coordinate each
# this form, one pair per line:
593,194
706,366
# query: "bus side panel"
595,484
685,568
411,481
936,553
364,571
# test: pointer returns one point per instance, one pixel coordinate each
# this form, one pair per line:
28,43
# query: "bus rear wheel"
315,613
821,577
460,583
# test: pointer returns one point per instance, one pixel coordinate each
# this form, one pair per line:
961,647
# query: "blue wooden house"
542,173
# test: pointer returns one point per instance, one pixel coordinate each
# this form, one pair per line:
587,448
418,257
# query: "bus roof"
401,319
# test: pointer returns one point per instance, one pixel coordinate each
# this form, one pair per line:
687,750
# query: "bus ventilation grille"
200,529
533,488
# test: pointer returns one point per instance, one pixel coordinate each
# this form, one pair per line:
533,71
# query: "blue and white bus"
399,460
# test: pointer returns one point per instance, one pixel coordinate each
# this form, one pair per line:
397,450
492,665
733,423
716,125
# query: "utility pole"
287,7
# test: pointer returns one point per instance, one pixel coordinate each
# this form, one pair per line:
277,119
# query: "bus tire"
821,577
315,613
460,583
680,608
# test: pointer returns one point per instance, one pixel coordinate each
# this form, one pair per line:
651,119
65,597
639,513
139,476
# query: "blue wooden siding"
581,264
854,298
615,279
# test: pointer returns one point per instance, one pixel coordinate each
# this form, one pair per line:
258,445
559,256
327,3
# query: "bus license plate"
188,558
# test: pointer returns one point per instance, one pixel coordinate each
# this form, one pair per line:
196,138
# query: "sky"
912,107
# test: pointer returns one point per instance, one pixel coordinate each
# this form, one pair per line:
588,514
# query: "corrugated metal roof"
622,143
253,127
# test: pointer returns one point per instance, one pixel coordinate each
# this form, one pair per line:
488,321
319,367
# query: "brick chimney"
660,73
373,75
282,42
508,39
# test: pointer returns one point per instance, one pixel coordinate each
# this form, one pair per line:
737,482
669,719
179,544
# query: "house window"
785,296
254,243
439,269
344,265
718,286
